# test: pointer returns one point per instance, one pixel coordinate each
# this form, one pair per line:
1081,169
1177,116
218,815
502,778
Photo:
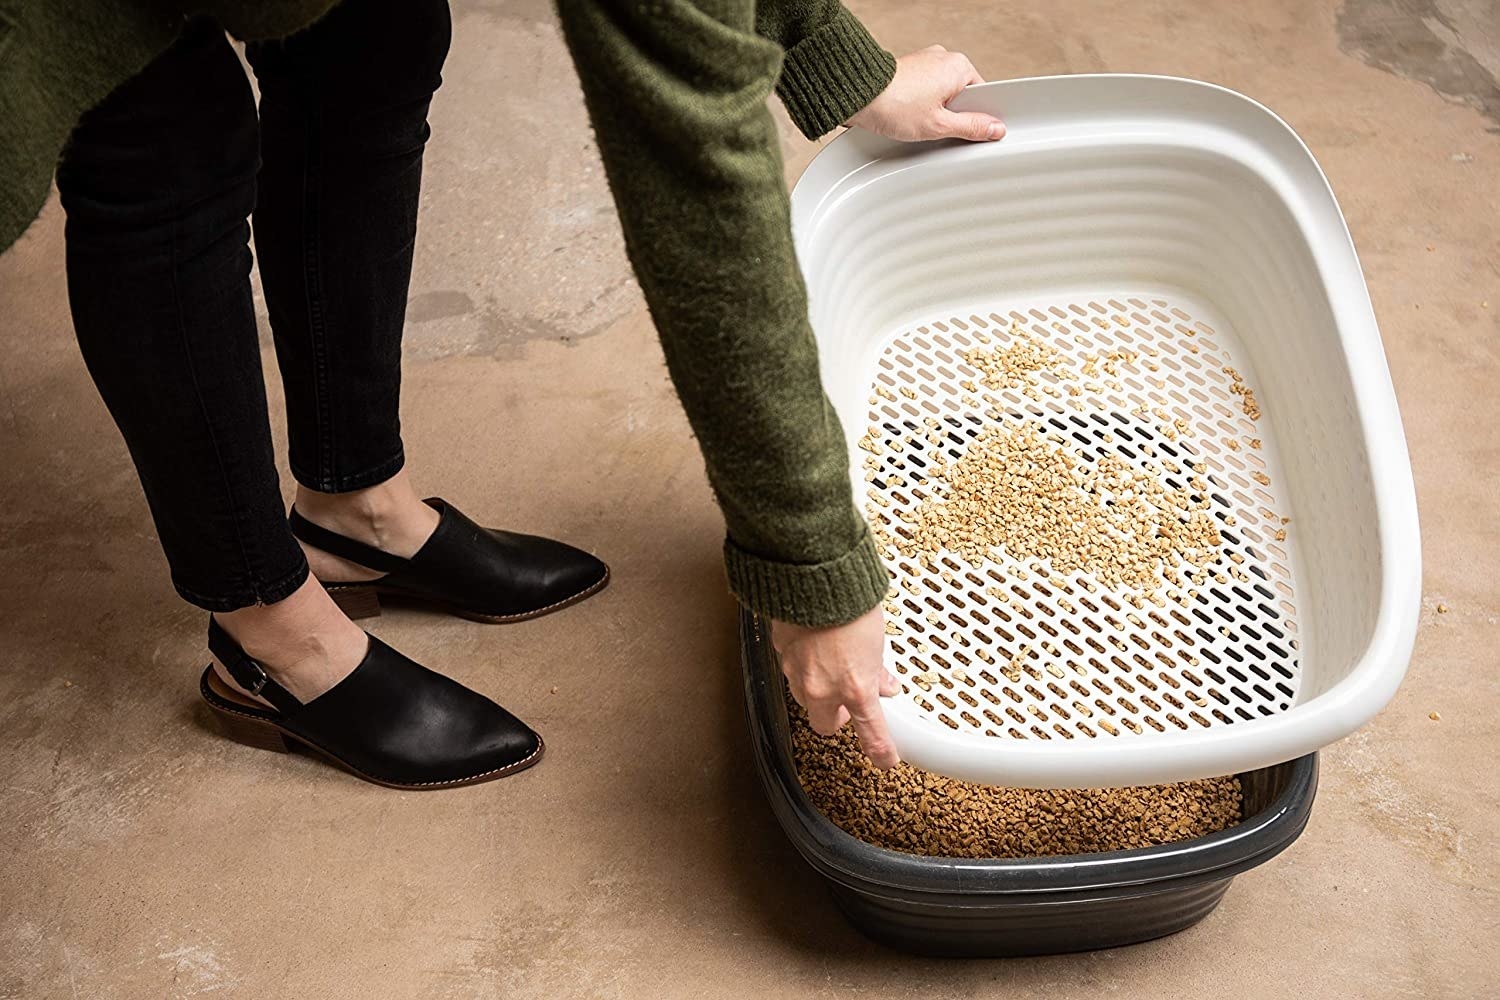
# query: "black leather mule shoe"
392,721
483,574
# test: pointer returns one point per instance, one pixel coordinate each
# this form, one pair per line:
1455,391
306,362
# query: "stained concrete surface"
1450,45
142,856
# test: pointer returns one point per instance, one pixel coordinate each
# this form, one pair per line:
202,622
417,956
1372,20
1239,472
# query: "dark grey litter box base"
1017,906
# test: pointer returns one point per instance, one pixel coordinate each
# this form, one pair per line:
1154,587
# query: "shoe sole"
362,600
263,732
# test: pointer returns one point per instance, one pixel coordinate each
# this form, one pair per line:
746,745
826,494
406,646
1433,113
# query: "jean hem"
373,476
269,593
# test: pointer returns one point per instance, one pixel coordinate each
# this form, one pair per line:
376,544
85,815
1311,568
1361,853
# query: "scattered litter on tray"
1079,514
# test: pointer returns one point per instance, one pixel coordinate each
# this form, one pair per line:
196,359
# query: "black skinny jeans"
158,182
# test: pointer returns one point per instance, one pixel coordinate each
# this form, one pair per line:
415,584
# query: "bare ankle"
305,642
389,515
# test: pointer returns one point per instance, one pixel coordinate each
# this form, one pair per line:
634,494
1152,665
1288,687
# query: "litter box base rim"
1026,929
995,907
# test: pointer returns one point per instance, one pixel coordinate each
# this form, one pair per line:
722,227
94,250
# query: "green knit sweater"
677,93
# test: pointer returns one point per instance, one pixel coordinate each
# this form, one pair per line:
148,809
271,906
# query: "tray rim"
1051,111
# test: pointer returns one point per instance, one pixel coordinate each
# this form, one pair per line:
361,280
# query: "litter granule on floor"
918,812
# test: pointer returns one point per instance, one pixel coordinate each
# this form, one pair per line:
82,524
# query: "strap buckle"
245,669
259,674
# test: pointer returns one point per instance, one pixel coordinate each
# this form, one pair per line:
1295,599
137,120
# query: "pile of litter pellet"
908,809
1017,491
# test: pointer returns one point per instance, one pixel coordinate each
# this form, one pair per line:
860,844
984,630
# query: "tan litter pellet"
1014,490
1108,361
1017,365
918,812
1246,394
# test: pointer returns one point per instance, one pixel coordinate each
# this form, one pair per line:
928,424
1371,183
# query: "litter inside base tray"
918,812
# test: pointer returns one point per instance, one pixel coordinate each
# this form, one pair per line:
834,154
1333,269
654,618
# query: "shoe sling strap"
345,548
247,672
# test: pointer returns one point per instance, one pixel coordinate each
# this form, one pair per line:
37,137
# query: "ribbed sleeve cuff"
832,74
829,593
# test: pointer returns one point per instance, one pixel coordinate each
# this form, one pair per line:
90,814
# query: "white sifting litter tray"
1163,236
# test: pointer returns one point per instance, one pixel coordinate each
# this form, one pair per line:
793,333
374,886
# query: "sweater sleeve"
833,68
677,93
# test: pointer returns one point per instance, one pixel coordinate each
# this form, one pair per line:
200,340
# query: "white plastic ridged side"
1120,197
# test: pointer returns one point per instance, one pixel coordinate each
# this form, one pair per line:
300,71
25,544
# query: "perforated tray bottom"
1009,648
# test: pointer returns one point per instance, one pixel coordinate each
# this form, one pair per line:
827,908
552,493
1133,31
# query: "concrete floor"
141,855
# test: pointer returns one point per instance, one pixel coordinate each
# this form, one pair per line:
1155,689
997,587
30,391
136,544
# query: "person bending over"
169,163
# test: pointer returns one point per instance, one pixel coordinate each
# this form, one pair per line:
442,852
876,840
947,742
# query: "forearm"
677,96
